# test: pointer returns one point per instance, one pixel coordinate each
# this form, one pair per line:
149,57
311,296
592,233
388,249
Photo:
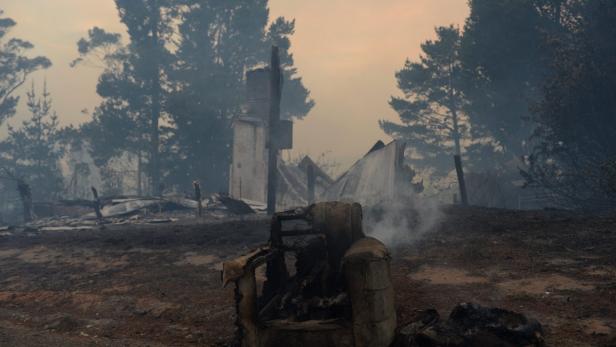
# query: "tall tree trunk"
155,107
458,148
453,108
456,132
155,142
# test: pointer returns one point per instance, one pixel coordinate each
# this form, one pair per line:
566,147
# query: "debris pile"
471,325
136,210
339,293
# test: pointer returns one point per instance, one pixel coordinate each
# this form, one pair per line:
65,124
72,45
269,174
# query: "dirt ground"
160,285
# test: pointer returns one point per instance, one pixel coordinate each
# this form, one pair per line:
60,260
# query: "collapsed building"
379,175
326,283
249,167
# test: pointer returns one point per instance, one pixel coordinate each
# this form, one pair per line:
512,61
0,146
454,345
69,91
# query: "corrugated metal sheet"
373,178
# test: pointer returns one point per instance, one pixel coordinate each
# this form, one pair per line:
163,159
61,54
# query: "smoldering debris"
340,293
471,325
133,210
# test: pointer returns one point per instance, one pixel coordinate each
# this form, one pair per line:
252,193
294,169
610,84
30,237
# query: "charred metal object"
471,325
338,293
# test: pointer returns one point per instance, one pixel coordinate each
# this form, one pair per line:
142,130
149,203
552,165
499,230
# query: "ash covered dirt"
159,285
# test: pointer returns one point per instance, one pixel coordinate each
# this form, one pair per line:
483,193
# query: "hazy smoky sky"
347,51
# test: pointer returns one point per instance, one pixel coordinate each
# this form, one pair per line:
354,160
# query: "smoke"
402,221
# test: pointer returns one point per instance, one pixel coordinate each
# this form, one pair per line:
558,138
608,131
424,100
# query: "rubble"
471,325
136,210
338,294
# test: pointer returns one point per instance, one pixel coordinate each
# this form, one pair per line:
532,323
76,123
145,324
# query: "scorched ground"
159,285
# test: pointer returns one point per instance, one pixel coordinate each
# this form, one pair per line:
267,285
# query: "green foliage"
101,45
174,88
119,123
296,102
14,67
431,114
33,151
501,63
506,59
219,42
574,144
133,83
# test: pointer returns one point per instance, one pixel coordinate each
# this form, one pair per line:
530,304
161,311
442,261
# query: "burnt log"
25,193
97,204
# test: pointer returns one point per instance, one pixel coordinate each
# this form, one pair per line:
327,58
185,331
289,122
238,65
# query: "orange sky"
347,51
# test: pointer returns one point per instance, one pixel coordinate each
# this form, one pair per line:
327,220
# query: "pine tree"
33,151
506,56
431,111
219,42
574,152
191,77
15,67
132,84
149,24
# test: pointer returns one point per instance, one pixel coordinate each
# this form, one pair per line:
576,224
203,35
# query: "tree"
15,67
132,84
149,24
431,111
219,42
505,58
187,84
120,123
296,102
574,154
32,152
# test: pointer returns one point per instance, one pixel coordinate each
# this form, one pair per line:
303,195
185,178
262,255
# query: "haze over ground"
346,51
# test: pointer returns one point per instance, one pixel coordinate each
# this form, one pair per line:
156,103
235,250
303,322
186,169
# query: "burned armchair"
338,293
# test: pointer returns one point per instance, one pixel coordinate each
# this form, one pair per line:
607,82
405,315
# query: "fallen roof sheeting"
373,178
293,184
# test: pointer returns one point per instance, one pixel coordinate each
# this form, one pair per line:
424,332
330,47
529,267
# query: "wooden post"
97,204
274,119
139,163
26,198
197,187
310,183
155,101
461,182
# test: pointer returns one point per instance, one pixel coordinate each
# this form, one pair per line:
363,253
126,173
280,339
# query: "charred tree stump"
97,204
461,181
274,119
197,188
25,193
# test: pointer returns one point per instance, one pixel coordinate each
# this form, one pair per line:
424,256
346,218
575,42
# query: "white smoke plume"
402,221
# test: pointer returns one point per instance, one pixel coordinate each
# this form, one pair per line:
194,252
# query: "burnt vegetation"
523,90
